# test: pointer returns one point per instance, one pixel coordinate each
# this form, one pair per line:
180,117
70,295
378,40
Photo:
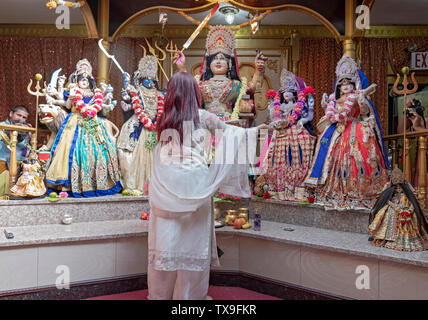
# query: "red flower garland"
136,105
94,108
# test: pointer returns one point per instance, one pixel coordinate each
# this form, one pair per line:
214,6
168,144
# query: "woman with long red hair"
182,244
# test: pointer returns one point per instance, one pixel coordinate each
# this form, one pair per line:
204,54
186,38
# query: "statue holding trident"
137,138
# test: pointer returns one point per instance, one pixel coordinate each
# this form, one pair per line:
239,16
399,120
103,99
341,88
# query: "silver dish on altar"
219,223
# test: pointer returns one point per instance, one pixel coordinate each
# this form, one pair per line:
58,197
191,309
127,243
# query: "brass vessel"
243,213
230,217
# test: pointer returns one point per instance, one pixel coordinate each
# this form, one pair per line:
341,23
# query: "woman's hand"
180,61
263,126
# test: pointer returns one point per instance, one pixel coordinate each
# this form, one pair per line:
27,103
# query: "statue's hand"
260,62
300,125
361,99
311,101
324,101
125,106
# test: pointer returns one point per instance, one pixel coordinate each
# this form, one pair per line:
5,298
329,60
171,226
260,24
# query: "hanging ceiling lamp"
229,13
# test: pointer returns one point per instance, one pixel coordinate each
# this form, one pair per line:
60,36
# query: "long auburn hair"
182,103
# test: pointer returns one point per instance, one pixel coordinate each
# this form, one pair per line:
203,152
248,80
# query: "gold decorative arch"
294,7
284,7
132,19
91,25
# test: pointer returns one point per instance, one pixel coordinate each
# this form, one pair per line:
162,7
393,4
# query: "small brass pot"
230,217
243,213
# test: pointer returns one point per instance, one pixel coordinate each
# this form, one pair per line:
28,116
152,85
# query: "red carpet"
216,292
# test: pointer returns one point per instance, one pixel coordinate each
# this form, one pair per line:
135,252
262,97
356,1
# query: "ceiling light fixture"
229,13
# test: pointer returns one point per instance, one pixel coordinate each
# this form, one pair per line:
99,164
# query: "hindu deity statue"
221,87
138,137
30,182
397,220
83,158
290,148
350,164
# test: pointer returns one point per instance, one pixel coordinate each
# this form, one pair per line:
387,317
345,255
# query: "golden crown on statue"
347,69
220,39
288,81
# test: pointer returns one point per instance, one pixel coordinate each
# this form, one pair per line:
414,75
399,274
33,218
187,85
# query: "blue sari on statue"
83,160
316,173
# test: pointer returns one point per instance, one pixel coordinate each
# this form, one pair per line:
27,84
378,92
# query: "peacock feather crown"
147,68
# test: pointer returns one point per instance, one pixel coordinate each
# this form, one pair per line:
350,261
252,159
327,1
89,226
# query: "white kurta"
181,226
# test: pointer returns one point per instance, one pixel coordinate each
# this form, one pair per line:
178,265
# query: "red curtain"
318,59
374,63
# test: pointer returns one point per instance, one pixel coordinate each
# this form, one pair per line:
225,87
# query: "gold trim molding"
43,30
401,31
265,31
183,31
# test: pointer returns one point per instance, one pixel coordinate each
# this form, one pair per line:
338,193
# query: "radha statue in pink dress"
350,164
291,147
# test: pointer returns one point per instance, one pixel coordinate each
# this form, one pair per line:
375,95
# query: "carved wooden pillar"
33,141
408,173
13,166
295,51
394,153
423,168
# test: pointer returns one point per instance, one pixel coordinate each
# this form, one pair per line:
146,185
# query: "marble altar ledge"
330,240
43,201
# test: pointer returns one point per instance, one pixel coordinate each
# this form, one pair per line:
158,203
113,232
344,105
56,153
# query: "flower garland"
136,105
302,98
275,98
235,112
333,115
86,109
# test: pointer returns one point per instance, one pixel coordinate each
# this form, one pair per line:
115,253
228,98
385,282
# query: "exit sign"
420,60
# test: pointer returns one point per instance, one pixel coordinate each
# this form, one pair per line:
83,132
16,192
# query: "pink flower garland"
94,109
302,98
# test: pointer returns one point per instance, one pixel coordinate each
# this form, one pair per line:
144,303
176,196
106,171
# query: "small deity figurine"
30,182
397,221
56,91
221,87
83,160
138,136
289,155
350,164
